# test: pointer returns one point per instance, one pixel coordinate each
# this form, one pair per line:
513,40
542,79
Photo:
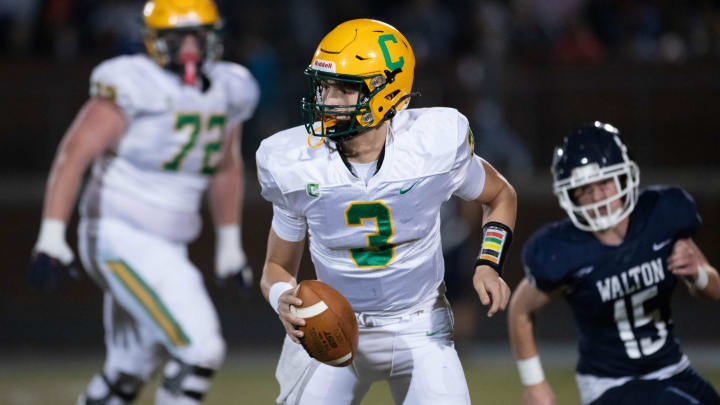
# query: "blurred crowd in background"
567,31
463,47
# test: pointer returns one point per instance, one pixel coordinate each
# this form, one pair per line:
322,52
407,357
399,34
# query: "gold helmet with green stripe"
372,57
166,21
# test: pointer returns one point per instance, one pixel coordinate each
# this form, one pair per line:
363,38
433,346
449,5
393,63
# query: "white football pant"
414,352
155,299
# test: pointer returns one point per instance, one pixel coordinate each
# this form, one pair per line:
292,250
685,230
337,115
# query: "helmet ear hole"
392,95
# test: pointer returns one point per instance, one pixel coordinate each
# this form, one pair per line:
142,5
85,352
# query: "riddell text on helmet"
324,65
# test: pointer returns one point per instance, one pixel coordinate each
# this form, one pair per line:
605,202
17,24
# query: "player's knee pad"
183,383
103,390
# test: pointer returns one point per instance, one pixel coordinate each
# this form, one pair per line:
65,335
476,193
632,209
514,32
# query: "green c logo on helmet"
388,60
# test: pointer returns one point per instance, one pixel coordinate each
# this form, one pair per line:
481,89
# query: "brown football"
331,331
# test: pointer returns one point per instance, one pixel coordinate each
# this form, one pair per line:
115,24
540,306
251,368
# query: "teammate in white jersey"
365,178
161,129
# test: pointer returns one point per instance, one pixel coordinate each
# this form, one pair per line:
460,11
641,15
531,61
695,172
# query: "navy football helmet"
593,153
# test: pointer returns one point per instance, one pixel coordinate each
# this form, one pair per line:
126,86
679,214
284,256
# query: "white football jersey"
377,243
155,176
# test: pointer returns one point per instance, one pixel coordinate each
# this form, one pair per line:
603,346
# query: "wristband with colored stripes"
495,245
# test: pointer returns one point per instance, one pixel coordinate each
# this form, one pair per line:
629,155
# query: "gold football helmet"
371,55
167,20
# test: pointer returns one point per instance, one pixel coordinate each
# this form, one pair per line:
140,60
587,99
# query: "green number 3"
194,121
379,251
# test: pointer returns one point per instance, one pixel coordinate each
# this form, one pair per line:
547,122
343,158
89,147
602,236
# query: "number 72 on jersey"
195,122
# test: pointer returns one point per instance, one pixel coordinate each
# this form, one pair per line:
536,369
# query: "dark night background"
523,71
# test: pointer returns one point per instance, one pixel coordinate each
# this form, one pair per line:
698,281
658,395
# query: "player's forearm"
502,208
525,302
226,188
521,330
274,273
63,186
282,262
498,197
226,194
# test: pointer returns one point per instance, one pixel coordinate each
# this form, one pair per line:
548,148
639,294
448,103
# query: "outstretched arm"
525,302
500,205
279,283
226,198
226,187
689,262
98,125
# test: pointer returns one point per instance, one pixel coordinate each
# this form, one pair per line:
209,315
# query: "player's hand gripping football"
685,259
539,394
52,259
231,261
290,321
491,289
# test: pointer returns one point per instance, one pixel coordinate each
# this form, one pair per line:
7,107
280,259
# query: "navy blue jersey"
619,295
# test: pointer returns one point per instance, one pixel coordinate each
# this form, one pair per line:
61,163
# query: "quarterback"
616,261
365,178
159,130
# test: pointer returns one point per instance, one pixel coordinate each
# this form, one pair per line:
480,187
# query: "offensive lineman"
160,129
366,179
616,261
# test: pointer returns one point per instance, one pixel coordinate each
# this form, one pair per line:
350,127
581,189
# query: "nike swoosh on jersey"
433,333
658,246
584,271
403,191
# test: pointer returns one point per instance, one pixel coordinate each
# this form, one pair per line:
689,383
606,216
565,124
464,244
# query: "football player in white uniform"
160,128
365,178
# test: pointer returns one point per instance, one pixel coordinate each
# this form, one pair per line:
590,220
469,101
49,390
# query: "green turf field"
30,379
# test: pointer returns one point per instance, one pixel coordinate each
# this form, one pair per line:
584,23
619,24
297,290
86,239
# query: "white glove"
51,241
229,255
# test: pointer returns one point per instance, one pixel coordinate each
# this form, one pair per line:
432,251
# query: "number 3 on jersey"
379,251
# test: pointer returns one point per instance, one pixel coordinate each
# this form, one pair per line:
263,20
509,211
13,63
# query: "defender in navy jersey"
616,260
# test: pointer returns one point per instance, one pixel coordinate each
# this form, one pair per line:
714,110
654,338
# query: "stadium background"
523,71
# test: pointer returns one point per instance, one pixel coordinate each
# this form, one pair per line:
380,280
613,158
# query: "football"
331,331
